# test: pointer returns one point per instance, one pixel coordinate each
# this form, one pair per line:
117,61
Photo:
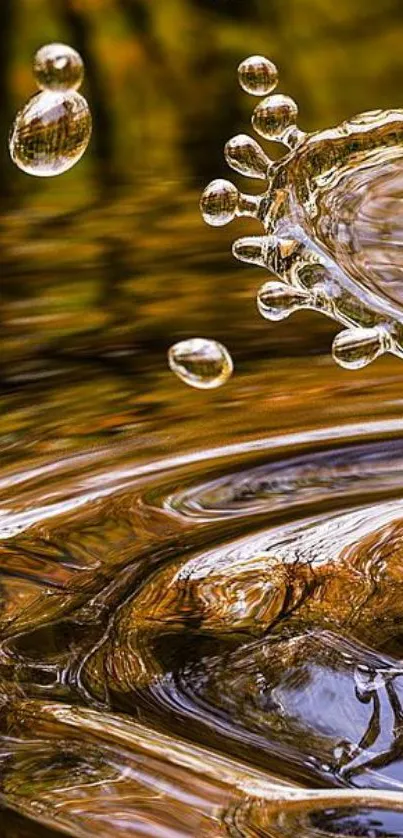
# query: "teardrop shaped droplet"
355,348
58,67
201,363
219,202
257,75
50,133
252,249
275,116
245,156
276,300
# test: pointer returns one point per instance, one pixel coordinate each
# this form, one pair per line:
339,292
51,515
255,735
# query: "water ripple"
240,609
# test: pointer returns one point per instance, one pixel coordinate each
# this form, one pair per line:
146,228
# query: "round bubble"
219,202
58,67
274,116
257,75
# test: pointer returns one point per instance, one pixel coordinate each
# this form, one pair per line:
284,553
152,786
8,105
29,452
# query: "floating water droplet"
274,117
219,202
355,348
245,155
58,67
201,363
276,300
50,133
257,75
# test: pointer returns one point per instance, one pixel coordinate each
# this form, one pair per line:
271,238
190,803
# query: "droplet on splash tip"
276,300
219,202
275,116
356,347
320,239
201,363
252,249
245,156
257,75
58,67
50,133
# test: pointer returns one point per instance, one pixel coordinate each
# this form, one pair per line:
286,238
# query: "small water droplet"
50,133
357,347
245,155
276,300
201,363
219,202
257,75
275,116
252,249
58,67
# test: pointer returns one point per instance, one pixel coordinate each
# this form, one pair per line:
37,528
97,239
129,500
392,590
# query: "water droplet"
219,202
276,300
257,75
58,67
275,116
50,133
355,348
245,155
201,363
252,249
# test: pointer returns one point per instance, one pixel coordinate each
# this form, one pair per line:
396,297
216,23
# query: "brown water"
201,591
201,621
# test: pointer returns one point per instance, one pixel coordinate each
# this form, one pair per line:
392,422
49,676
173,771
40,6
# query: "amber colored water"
201,612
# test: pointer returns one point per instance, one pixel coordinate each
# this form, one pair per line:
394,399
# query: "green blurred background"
106,266
114,252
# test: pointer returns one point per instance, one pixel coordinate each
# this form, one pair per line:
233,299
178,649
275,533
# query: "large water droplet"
202,363
275,116
246,156
58,67
257,75
219,202
355,348
50,133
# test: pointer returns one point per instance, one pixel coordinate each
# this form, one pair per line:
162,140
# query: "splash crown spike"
326,238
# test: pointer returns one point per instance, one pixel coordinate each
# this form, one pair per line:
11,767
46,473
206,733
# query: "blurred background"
104,268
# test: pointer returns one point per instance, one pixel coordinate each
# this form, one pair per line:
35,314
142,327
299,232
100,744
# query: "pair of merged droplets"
52,131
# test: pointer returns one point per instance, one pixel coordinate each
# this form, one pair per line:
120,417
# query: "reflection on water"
201,590
185,634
